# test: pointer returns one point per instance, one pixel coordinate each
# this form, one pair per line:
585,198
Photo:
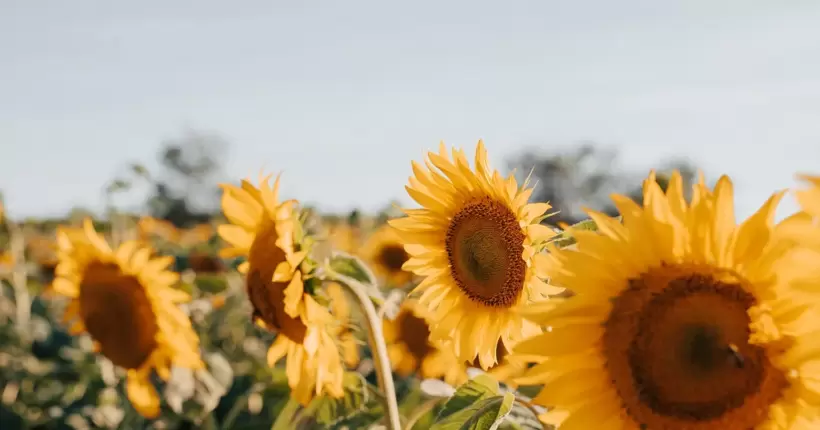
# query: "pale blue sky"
341,95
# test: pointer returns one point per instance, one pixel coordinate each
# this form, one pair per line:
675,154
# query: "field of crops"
473,309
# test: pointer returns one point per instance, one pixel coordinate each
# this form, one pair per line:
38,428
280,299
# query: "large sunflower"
476,243
385,252
269,234
679,321
124,300
411,350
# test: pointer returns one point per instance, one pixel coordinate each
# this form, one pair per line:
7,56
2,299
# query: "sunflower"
43,251
123,298
280,288
476,242
411,350
149,226
340,308
385,252
343,237
679,321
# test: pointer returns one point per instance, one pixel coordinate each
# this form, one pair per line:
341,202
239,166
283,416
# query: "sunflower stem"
376,338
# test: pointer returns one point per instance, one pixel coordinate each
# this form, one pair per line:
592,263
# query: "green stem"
376,338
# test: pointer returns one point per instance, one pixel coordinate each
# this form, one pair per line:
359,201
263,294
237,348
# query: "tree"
185,192
570,180
585,176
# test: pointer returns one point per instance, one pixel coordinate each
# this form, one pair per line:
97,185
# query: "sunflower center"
393,257
485,245
268,297
117,313
414,332
678,351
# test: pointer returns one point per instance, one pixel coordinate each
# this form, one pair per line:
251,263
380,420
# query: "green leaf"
479,388
327,411
485,414
565,238
522,418
352,267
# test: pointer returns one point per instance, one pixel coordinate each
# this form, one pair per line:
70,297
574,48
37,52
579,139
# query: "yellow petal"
142,394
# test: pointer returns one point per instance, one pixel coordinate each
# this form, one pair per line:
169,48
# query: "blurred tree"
185,193
584,176
581,176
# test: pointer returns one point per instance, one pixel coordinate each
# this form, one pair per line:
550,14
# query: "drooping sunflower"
280,286
679,321
385,252
476,242
124,299
411,351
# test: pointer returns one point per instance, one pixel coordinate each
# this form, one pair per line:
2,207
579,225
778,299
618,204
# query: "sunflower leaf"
327,411
485,414
481,387
353,267
565,238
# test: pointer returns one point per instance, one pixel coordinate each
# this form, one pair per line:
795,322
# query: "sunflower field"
474,309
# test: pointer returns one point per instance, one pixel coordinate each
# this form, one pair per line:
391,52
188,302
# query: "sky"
341,96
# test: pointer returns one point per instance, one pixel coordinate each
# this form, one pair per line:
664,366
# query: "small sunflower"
343,237
280,288
411,350
385,252
340,308
43,251
679,321
149,226
124,299
476,242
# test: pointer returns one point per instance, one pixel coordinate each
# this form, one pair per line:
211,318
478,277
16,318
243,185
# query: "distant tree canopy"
185,192
584,176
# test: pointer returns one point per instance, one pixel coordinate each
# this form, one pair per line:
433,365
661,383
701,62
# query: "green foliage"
354,268
327,412
351,266
211,284
564,239
476,405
